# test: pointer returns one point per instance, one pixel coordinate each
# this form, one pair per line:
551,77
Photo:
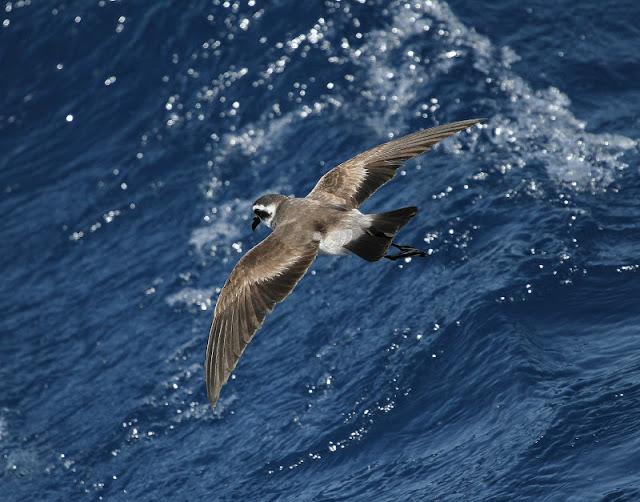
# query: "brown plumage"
355,180
263,277
326,221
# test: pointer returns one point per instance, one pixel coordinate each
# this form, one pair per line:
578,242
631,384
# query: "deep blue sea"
134,137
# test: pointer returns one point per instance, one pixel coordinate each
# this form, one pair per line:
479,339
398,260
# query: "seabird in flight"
326,221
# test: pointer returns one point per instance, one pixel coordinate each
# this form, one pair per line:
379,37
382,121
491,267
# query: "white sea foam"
528,125
4,430
223,228
221,231
200,298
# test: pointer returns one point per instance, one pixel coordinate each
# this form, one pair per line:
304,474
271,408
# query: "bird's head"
265,208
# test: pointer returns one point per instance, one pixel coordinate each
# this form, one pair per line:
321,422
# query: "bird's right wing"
264,276
353,181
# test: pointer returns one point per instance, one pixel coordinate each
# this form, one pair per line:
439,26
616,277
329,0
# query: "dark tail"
375,242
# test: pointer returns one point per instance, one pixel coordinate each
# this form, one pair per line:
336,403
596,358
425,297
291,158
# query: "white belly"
334,242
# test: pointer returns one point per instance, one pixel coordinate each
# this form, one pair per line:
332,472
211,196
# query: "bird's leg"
405,252
404,248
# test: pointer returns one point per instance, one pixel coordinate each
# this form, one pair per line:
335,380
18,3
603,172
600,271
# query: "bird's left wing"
353,181
264,276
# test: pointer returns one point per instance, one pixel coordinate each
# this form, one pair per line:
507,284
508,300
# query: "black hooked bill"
256,222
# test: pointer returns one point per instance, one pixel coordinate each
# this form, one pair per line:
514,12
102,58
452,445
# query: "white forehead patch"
269,209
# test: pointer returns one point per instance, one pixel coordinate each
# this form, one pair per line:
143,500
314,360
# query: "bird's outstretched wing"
353,181
264,276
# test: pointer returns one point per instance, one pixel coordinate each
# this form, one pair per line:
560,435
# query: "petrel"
326,221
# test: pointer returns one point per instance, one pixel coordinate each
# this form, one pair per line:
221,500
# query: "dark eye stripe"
261,213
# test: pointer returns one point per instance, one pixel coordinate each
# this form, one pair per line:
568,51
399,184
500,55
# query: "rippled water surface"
134,137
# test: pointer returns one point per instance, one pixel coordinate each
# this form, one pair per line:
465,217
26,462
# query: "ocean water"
134,137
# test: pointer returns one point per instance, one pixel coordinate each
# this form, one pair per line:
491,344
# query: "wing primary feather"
220,365
260,306
242,323
231,338
236,343
353,181
252,322
211,369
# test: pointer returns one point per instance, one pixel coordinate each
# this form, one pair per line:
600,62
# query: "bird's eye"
261,214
